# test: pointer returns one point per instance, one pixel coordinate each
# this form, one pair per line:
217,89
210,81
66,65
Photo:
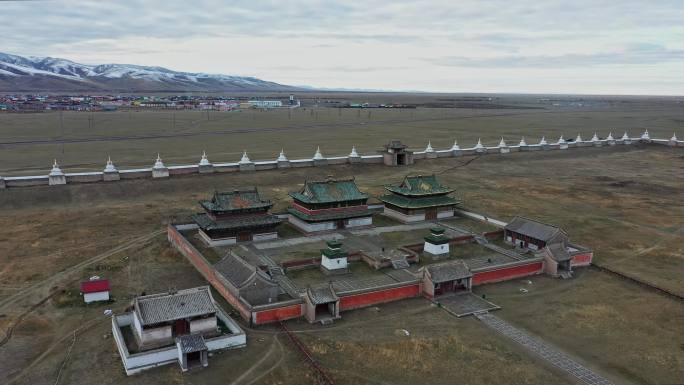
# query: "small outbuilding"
436,244
333,258
95,290
322,304
447,277
532,234
396,154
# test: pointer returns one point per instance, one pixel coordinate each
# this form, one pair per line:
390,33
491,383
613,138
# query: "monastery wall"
58,177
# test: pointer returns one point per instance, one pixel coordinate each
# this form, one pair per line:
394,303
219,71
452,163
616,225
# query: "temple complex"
330,204
419,198
236,216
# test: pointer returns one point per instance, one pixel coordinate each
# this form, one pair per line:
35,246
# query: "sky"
521,46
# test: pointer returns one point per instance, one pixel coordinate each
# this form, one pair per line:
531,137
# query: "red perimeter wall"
375,297
581,259
278,314
507,273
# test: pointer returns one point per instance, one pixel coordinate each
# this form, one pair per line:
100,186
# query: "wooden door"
181,327
244,236
430,214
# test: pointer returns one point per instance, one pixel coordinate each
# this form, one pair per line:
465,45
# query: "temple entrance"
401,159
244,236
194,359
456,286
340,224
430,214
180,327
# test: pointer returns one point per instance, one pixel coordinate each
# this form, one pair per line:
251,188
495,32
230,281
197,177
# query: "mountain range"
47,74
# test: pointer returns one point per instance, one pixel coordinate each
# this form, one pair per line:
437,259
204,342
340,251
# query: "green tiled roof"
206,223
329,216
236,200
419,202
420,185
328,191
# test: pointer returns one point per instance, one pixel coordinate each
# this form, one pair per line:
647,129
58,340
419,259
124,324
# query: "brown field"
624,203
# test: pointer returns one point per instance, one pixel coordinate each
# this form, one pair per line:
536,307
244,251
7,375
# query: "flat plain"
623,202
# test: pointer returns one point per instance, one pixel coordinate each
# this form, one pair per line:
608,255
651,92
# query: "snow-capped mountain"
18,74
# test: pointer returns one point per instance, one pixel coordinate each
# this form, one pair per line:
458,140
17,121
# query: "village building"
419,198
333,258
236,216
330,204
179,326
549,241
95,290
446,277
396,154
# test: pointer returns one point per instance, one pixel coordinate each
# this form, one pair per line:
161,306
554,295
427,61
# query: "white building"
265,103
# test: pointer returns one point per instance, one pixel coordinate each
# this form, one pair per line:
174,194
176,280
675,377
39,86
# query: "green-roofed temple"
419,198
329,204
236,216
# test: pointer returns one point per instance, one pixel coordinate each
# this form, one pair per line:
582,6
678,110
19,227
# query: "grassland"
624,203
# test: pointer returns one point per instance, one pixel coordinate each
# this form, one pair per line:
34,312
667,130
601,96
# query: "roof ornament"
56,171
353,153
594,138
625,136
455,147
429,147
579,138
281,156
543,141
646,135
502,143
110,166
674,137
245,158
522,142
318,155
204,161
479,143
158,163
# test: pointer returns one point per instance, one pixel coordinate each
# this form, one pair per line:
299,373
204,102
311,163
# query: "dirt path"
245,376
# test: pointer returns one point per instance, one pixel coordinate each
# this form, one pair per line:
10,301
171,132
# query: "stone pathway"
543,350
463,304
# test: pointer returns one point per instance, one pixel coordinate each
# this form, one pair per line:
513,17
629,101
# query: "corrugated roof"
158,308
236,200
534,229
448,271
328,191
191,343
420,185
94,286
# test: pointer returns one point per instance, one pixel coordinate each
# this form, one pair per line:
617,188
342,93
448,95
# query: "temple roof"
559,252
164,307
420,185
191,343
328,191
534,229
321,295
418,202
330,215
206,223
236,200
239,272
448,271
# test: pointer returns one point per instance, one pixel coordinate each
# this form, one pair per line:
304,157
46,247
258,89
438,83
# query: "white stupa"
625,136
56,171
479,143
353,153
594,138
543,141
110,166
646,135
158,164
522,142
561,140
245,158
455,147
281,156
318,155
610,136
502,143
204,161
579,138
674,137
429,147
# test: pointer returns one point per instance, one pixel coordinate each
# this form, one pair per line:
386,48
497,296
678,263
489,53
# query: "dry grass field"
624,203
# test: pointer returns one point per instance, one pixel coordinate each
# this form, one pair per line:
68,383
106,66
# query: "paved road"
480,217
543,350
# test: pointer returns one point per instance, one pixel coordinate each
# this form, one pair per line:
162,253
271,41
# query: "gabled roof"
559,251
191,343
240,272
329,190
164,307
322,294
420,185
94,286
235,200
448,271
534,229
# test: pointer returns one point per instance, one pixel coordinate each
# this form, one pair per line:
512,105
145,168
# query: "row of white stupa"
204,161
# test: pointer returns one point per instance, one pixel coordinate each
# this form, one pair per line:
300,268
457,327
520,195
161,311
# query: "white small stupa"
502,143
579,138
353,153
318,155
455,147
429,147
479,144
561,140
281,156
594,138
204,161
543,141
610,136
109,167
56,171
245,158
646,135
674,137
625,136
522,142
158,164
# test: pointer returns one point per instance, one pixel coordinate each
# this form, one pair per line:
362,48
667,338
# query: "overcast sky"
579,46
